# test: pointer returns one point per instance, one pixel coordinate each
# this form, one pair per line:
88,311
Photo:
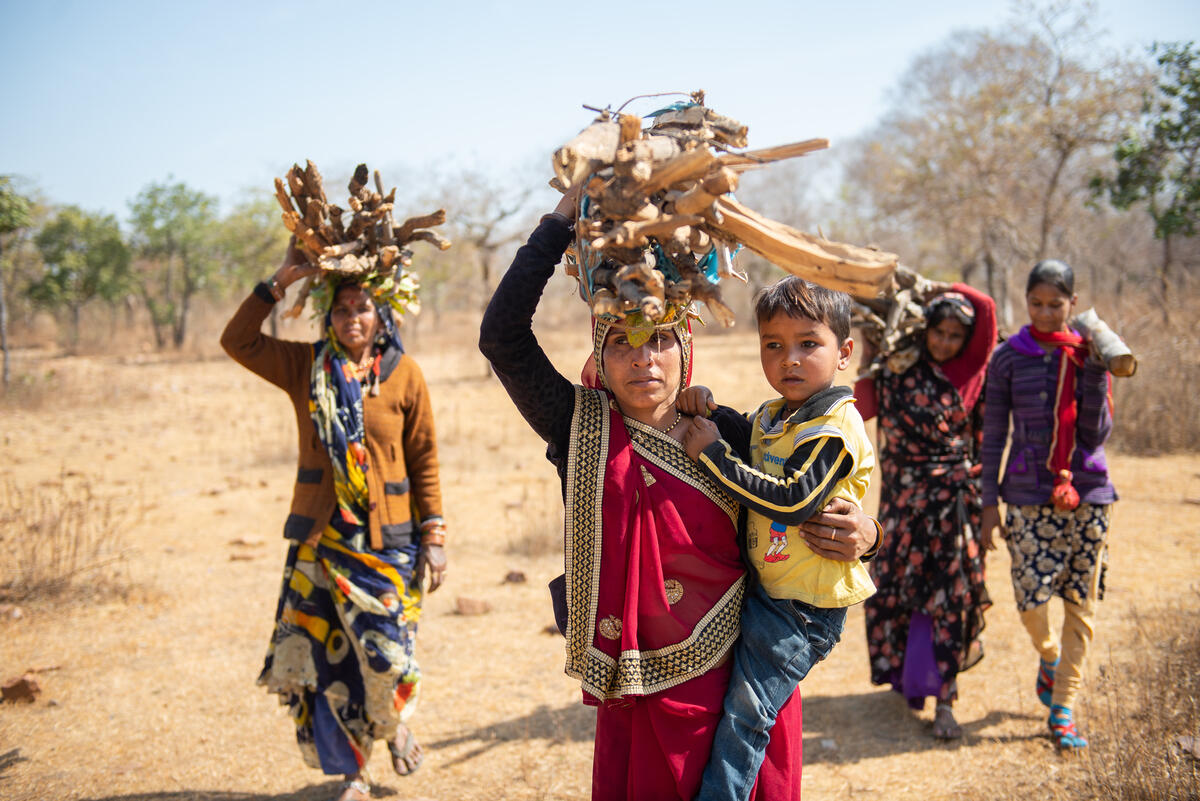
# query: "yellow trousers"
1072,649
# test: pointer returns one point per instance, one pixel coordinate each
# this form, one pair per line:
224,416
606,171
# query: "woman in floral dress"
923,623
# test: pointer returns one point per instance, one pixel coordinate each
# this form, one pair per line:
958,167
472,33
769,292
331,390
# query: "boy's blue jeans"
781,641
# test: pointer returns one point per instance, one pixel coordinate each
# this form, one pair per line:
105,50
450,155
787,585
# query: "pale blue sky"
100,98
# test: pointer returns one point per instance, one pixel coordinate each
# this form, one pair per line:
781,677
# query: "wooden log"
437,240
594,146
631,127
701,196
388,256
405,231
859,271
314,185
752,159
358,181
335,221
314,215
689,165
342,248
355,204
705,122
632,233
291,220
1113,351
281,195
604,302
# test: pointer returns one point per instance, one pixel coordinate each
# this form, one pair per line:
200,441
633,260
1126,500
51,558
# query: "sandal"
361,790
406,759
1045,681
1062,730
943,729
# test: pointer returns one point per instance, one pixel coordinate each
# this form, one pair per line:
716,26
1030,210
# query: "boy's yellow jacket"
797,464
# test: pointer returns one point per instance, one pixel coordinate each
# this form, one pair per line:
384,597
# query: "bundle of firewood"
363,242
657,220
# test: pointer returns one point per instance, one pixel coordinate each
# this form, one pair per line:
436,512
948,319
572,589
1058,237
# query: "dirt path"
155,698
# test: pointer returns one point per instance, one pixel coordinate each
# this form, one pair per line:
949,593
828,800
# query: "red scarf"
1072,352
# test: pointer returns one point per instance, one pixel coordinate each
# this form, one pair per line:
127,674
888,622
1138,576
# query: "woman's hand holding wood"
842,532
294,267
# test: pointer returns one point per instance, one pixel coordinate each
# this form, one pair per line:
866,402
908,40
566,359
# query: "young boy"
805,448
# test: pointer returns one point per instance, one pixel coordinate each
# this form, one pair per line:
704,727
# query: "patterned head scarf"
950,305
593,369
336,406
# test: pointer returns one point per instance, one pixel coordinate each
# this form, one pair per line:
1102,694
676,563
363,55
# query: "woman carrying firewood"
1056,485
924,621
654,579
366,521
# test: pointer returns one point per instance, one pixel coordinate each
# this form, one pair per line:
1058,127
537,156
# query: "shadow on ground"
574,723
314,792
844,729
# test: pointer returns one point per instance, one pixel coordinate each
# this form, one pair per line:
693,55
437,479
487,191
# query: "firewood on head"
358,181
631,127
405,231
313,183
595,145
689,165
438,241
752,159
281,195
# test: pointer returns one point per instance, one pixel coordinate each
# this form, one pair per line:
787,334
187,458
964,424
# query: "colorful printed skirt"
925,619
341,655
1057,553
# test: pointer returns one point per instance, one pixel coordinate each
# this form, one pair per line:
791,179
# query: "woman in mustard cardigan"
366,525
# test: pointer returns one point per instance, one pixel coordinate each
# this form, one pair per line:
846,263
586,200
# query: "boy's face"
800,356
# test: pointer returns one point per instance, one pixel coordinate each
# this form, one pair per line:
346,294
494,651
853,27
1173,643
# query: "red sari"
654,590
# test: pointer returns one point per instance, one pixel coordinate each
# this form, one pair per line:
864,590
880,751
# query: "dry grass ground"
155,698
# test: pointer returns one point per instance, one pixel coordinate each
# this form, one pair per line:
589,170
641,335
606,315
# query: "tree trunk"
1164,278
181,320
75,307
4,329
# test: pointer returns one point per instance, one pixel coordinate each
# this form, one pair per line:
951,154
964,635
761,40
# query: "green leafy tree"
1158,163
85,258
174,236
14,215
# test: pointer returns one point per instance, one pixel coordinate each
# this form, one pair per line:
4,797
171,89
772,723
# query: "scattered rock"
514,577
11,612
246,542
471,606
241,557
24,688
1190,745
829,744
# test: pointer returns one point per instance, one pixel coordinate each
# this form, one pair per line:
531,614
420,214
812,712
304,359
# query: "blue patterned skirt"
341,655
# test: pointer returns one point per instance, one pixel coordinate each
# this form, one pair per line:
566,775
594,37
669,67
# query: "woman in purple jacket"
1056,484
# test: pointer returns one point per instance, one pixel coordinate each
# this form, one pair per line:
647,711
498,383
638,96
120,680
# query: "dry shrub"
1141,707
1158,409
60,537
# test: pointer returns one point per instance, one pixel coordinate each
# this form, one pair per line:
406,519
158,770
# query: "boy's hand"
699,435
696,400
